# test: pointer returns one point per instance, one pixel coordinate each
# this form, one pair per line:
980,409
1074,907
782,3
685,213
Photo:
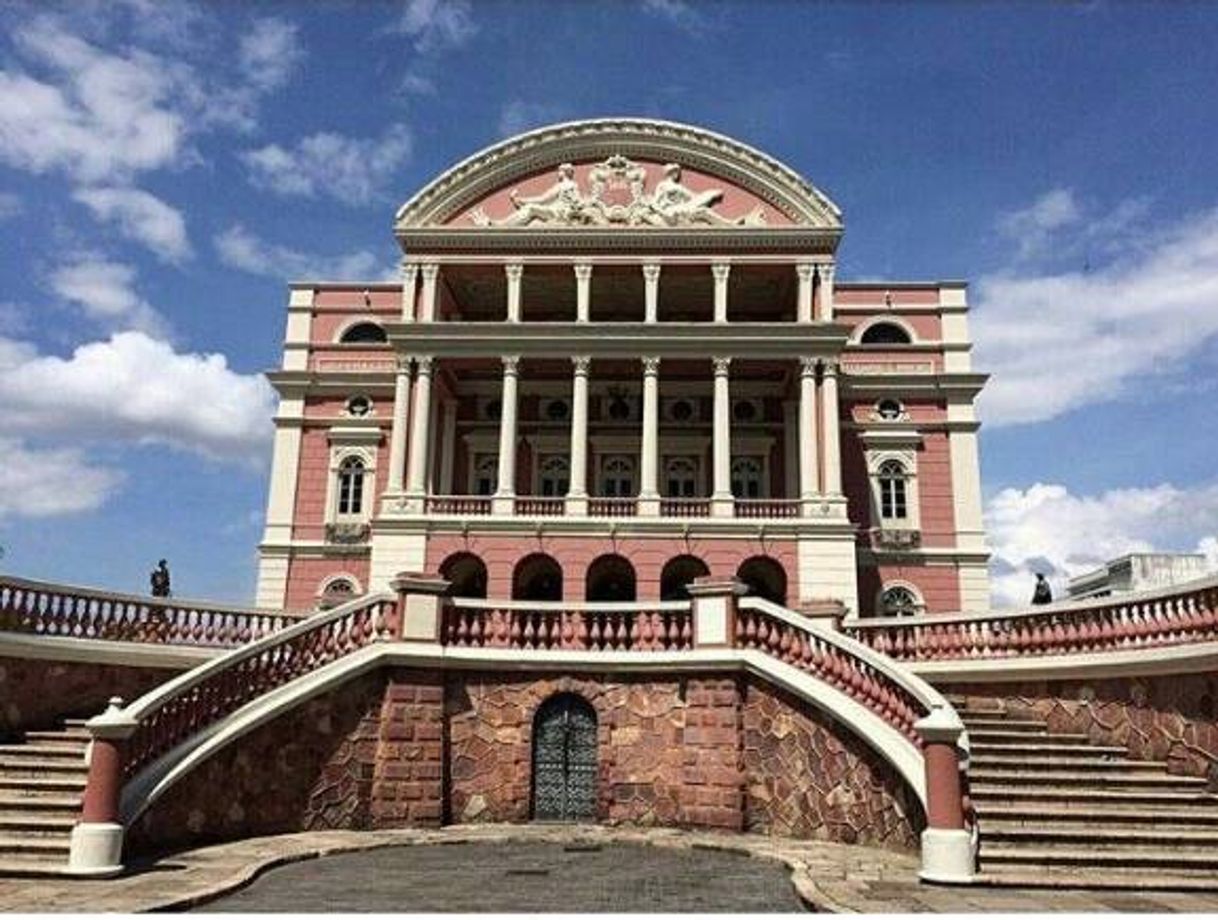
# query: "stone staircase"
1057,810
41,783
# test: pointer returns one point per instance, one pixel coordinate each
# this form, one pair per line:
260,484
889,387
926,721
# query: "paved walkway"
826,876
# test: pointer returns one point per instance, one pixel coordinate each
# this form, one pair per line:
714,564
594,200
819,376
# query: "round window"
556,410
888,409
359,406
682,410
619,409
744,411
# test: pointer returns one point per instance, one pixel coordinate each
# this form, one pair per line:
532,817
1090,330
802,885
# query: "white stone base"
393,553
96,849
947,856
828,569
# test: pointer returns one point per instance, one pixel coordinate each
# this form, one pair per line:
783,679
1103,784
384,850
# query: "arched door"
564,760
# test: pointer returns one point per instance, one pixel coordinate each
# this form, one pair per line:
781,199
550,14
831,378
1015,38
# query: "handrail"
77,612
579,625
485,604
1177,615
177,709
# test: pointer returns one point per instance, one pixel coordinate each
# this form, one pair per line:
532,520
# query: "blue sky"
165,167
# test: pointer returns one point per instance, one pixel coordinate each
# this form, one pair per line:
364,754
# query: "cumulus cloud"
1045,528
518,116
269,52
678,12
141,217
239,248
45,482
106,292
350,170
437,25
1057,341
1031,227
135,388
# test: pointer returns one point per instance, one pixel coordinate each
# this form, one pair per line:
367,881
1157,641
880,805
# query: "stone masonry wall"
37,694
1173,718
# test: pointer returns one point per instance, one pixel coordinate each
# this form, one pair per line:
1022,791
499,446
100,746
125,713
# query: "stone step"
42,751
1044,739
1036,797
23,844
1174,838
36,823
1006,725
39,786
1066,777
1109,879
61,810
73,735
1038,748
1083,814
1098,764
1089,857
33,769
38,865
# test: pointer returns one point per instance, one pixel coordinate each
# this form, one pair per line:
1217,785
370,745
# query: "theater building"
619,357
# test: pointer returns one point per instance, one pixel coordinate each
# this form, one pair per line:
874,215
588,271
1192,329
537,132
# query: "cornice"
422,240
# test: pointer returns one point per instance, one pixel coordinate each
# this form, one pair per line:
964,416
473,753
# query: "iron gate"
564,760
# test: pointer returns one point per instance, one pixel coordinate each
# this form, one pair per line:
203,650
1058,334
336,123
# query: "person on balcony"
1043,593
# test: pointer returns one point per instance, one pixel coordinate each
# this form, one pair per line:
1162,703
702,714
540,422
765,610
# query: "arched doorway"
466,574
537,578
564,760
678,573
765,578
610,578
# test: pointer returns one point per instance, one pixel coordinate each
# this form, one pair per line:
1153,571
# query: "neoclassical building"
619,358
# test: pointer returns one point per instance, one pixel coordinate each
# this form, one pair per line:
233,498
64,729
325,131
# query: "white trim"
885,587
104,651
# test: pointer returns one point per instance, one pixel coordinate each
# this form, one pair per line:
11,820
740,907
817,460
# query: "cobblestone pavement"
826,876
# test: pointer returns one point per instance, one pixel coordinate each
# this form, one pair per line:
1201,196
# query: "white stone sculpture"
618,197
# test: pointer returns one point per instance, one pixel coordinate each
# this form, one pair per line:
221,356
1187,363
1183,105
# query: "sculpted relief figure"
618,197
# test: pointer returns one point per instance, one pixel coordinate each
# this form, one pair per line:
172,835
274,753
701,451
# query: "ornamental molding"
614,141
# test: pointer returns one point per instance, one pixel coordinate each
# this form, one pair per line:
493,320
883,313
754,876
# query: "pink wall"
938,585
305,577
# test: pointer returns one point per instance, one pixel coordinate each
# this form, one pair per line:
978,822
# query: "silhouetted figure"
160,580
1043,593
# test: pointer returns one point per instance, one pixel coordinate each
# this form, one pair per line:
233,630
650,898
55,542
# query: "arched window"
466,575
364,334
678,574
554,477
899,601
893,505
765,578
680,477
610,578
335,591
746,477
885,334
351,487
537,577
617,476
486,474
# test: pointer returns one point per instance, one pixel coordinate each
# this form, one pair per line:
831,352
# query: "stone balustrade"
71,612
1179,615
660,626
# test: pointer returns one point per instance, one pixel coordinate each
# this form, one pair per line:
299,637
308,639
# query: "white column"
649,493
803,301
504,499
721,270
721,498
577,491
420,432
427,309
397,434
790,448
651,291
583,291
808,447
410,281
829,410
448,444
514,272
825,296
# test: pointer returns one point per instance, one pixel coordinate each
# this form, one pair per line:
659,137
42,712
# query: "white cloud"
269,52
1060,341
106,292
416,84
350,170
678,12
239,248
518,116
436,25
135,388
1045,528
141,217
1032,226
40,483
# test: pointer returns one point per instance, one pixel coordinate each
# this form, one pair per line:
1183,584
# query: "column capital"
430,270
831,367
651,364
582,364
513,270
583,269
805,270
651,271
424,363
721,365
410,268
511,364
807,366
825,270
401,363
721,270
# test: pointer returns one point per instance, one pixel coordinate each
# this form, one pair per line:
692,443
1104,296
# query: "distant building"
1137,572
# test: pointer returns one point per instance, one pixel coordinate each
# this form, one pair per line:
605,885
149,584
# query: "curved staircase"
41,782
1056,810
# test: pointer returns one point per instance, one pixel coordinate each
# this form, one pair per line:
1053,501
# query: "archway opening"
537,578
678,574
466,574
765,578
610,578
564,759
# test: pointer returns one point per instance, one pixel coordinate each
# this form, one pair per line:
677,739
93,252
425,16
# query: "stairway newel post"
97,840
947,844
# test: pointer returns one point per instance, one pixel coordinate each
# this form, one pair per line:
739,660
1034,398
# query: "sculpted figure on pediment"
618,197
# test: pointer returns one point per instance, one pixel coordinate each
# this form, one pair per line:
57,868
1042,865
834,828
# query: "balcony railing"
767,508
662,626
458,504
613,507
602,506
532,506
685,507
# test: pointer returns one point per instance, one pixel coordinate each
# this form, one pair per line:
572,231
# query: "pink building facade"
619,359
